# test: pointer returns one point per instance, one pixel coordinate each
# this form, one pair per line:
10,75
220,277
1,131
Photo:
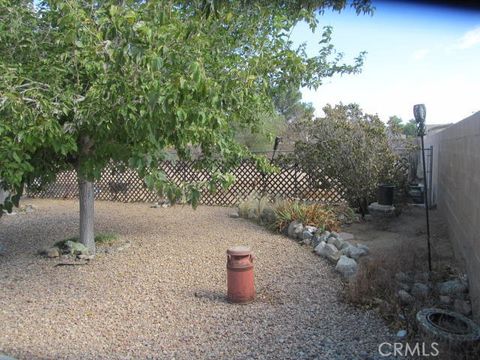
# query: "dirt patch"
408,232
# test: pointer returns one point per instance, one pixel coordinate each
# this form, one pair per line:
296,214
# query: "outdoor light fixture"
420,113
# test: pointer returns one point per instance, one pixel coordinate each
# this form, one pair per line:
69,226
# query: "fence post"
296,180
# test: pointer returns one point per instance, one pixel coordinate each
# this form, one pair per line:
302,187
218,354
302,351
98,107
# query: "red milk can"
240,282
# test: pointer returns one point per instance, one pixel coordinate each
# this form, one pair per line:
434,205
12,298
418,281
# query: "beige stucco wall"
456,185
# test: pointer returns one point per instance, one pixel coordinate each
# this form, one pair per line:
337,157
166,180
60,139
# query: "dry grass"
375,287
308,214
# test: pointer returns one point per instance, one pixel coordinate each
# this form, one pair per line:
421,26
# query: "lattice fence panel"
291,182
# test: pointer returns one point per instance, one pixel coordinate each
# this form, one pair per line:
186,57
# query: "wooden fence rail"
291,182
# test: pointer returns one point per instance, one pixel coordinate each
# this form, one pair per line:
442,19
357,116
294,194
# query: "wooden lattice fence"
289,183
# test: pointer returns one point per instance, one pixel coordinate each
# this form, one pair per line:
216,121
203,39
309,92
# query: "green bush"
352,150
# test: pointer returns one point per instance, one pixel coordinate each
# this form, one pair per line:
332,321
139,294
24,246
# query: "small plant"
100,239
253,206
106,238
277,215
308,214
344,213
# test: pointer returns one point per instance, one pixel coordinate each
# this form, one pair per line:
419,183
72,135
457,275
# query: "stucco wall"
456,186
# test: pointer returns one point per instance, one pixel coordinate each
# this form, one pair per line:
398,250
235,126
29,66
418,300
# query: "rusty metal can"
240,278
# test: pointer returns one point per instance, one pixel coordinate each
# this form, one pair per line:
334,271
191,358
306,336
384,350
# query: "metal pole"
426,206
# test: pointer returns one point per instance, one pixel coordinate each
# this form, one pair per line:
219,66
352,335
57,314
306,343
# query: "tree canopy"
397,126
84,83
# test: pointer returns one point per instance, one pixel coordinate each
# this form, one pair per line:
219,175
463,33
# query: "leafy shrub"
353,151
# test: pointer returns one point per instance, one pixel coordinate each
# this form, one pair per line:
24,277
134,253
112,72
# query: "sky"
415,54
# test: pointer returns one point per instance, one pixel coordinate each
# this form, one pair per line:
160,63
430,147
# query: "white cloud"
420,54
470,39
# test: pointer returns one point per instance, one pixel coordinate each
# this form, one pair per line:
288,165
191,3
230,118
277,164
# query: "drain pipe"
419,111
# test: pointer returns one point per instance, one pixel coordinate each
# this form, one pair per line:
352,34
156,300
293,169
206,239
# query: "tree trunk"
86,193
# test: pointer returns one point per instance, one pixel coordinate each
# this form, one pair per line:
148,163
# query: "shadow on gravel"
211,295
263,296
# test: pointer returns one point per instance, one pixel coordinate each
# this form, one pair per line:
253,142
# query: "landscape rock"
53,252
328,251
445,299
402,277
124,246
420,291
338,242
422,277
295,229
317,239
405,297
403,286
452,287
307,235
234,215
346,236
381,211
463,307
347,267
312,229
307,242
364,247
354,252
76,248
85,257
333,234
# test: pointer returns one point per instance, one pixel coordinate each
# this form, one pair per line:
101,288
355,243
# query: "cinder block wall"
456,182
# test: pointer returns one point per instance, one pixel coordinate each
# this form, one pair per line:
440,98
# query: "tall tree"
395,125
86,82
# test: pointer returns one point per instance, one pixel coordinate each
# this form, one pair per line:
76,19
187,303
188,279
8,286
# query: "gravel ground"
164,296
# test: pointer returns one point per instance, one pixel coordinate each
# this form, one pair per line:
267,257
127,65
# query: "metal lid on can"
239,251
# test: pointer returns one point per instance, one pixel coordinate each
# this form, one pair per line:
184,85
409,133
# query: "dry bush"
253,206
308,214
282,212
375,287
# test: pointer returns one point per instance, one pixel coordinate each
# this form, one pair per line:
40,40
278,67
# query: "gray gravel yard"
163,297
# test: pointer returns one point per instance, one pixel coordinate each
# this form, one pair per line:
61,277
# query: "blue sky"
415,54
